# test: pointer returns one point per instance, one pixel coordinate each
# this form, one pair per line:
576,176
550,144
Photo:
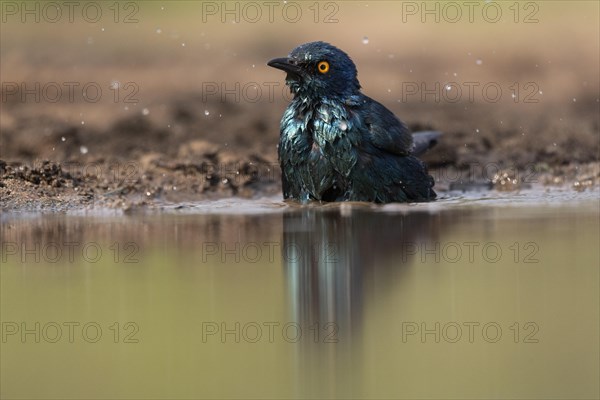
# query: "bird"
337,144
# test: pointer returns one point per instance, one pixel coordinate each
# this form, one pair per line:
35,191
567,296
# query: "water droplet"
206,112
83,150
145,111
365,40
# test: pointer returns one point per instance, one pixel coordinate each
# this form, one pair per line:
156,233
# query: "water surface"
473,296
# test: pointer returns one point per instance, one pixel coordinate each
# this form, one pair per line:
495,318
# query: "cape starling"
337,144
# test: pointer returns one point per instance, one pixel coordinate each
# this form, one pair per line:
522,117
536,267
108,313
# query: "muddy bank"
138,162
185,155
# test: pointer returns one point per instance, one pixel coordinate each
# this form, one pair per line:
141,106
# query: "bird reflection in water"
336,259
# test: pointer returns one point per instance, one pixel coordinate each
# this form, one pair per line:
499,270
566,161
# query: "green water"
429,301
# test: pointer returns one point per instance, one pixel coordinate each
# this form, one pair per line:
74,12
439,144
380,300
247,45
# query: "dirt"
137,162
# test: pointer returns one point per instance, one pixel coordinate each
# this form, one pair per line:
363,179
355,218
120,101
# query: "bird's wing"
386,131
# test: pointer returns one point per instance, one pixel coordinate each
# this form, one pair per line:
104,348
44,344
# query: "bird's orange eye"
323,67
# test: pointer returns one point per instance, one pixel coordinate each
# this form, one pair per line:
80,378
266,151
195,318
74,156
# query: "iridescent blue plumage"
337,144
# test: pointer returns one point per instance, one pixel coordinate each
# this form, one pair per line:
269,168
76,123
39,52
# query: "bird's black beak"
286,64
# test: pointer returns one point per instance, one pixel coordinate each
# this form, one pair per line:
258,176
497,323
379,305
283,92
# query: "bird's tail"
423,141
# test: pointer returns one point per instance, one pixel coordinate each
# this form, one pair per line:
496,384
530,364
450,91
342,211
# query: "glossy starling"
337,144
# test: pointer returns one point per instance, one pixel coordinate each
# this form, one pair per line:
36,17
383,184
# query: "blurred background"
178,87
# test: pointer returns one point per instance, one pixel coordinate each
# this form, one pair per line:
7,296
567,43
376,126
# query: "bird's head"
318,69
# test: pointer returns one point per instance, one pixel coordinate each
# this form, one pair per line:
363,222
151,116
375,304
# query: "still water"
463,298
